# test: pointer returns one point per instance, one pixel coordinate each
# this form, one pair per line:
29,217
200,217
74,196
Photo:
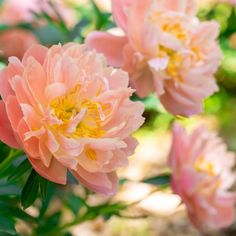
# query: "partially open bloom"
202,175
69,111
164,49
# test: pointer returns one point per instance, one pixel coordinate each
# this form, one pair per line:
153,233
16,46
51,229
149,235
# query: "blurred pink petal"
15,42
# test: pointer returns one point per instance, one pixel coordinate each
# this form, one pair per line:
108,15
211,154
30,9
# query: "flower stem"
9,159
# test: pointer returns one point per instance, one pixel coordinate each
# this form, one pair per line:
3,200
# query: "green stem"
78,220
9,159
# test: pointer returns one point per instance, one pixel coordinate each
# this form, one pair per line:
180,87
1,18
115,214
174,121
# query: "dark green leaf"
46,201
49,224
161,180
75,203
4,150
8,209
7,226
30,190
20,170
43,187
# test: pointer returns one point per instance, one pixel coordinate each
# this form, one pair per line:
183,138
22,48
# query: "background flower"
165,49
202,175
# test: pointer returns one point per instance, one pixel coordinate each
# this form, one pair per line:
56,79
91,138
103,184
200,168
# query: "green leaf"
30,190
161,180
20,170
46,201
49,224
75,203
7,226
8,209
43,187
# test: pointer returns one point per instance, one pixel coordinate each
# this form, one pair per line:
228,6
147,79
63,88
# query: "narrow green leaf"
20,170
161,180
43,186
30,190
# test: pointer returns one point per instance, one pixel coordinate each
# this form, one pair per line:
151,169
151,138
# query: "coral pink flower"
15,42
165,49
202,175
69,111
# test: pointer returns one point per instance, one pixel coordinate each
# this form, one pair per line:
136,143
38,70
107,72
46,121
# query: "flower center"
66,106
175,29
203,166
65,109
174,63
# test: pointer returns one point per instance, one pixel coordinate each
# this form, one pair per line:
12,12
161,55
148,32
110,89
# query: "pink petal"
140,33
31,145
45,154
178,104
109,45
36,51
35,79
14,68
14,111
120,12
182,6
6,132
55,90
98,182
55,172
18,86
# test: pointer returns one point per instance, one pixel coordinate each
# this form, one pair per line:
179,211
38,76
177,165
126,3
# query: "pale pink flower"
69,111
202,175
165,49
15,42
14,11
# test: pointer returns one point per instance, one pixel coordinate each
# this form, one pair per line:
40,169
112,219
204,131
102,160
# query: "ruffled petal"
105,183
110,45
55,172
6,133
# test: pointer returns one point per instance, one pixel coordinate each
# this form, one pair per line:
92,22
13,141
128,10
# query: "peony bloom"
69,111
165,49
202,175
15,42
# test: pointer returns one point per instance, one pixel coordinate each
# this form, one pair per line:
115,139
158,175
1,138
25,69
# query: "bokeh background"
153,210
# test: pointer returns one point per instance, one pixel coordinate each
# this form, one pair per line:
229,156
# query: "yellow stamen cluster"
66,107
175,29
174,64
203,166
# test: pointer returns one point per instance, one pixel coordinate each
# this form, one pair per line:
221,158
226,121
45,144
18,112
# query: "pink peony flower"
15,42
69,111
202,175
164,49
